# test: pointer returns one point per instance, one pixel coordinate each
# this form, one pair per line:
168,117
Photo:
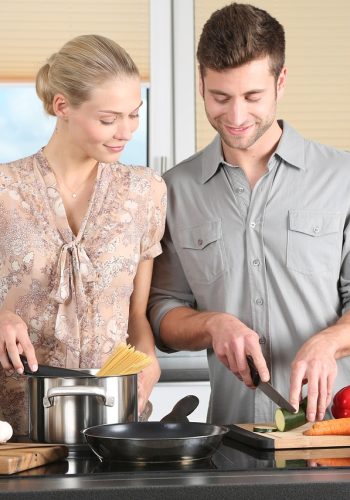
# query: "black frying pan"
164,441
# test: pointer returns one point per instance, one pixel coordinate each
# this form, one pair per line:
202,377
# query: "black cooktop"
230,456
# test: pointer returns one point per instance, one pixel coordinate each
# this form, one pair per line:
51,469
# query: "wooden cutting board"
16,457
313,456
284,440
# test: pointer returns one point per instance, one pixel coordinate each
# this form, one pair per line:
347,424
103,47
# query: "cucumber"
286,421
282,463
264,428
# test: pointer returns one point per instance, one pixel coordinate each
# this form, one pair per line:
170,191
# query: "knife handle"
253,371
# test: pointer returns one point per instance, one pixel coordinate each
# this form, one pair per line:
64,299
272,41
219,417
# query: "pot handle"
77,390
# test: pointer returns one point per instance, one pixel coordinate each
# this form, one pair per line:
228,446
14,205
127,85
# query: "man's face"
240,103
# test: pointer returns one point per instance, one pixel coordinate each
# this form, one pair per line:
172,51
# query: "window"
30,32
25,127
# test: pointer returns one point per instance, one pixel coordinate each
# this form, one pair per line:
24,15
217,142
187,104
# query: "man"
256,257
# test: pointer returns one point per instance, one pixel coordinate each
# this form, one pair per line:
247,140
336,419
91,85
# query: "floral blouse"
72,291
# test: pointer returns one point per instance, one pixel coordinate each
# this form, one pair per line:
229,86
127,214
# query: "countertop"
318,484
235,472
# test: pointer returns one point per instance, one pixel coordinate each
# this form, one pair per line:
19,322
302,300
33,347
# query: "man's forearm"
341,334
184,328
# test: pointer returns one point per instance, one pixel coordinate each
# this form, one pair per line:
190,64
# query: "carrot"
338,426
333,462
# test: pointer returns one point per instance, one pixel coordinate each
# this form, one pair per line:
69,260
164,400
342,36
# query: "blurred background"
161,36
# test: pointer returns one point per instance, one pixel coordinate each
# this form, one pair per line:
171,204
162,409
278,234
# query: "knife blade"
268,389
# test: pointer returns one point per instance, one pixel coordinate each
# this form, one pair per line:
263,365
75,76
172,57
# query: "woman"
78,230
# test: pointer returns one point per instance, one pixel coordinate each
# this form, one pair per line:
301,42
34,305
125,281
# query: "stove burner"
230,456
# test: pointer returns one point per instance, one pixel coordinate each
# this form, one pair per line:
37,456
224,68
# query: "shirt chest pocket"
202,252
314,241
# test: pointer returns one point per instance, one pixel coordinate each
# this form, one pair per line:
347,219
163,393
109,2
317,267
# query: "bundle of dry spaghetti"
125,360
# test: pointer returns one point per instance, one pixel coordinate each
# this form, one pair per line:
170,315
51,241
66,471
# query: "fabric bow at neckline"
74,270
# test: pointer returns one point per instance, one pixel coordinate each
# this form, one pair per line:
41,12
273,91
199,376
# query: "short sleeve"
155,222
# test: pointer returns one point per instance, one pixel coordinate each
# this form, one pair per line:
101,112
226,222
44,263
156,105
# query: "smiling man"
256,254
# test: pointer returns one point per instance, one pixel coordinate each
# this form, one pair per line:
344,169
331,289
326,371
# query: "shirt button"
262,340
252,225
316,229
240,190
259,301
200,242
256,262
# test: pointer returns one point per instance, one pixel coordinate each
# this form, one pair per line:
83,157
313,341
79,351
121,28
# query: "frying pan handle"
77,390
182,408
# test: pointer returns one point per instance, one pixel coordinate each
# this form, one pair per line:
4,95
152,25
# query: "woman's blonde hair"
81,65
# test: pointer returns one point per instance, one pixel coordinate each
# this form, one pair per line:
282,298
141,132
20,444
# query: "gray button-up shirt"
276,256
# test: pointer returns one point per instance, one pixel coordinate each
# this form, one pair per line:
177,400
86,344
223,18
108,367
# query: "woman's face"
100,127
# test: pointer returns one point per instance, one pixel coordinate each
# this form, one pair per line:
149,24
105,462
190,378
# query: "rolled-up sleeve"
155,223
169,288
344,280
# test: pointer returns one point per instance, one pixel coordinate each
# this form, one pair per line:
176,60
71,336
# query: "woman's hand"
14,340
145,383
140,333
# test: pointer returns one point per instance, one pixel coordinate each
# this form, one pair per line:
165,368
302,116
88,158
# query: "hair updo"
81,65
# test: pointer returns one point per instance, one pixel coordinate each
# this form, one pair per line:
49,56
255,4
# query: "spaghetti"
125,360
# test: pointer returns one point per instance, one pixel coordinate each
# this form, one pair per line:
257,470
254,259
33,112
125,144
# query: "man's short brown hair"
238,34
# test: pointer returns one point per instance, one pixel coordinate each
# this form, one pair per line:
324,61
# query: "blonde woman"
78,230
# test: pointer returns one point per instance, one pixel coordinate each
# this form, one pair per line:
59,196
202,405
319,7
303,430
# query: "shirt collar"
291,148
212,159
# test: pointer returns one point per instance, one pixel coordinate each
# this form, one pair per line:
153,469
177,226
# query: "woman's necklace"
74,192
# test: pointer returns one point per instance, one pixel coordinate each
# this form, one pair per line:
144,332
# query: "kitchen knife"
268,389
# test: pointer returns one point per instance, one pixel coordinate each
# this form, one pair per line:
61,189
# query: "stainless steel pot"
60,407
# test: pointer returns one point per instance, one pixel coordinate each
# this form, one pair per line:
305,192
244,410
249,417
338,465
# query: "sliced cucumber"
264,428
282,463
286,421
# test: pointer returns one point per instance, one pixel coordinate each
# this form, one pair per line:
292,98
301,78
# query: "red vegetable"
341,403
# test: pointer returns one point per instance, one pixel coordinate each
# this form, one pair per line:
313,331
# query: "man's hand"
14,340
232,342
315,364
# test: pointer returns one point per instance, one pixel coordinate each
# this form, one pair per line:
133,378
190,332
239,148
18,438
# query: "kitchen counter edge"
240,485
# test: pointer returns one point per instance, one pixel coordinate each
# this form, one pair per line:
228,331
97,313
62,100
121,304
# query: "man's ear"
281,83
200,83
60,106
